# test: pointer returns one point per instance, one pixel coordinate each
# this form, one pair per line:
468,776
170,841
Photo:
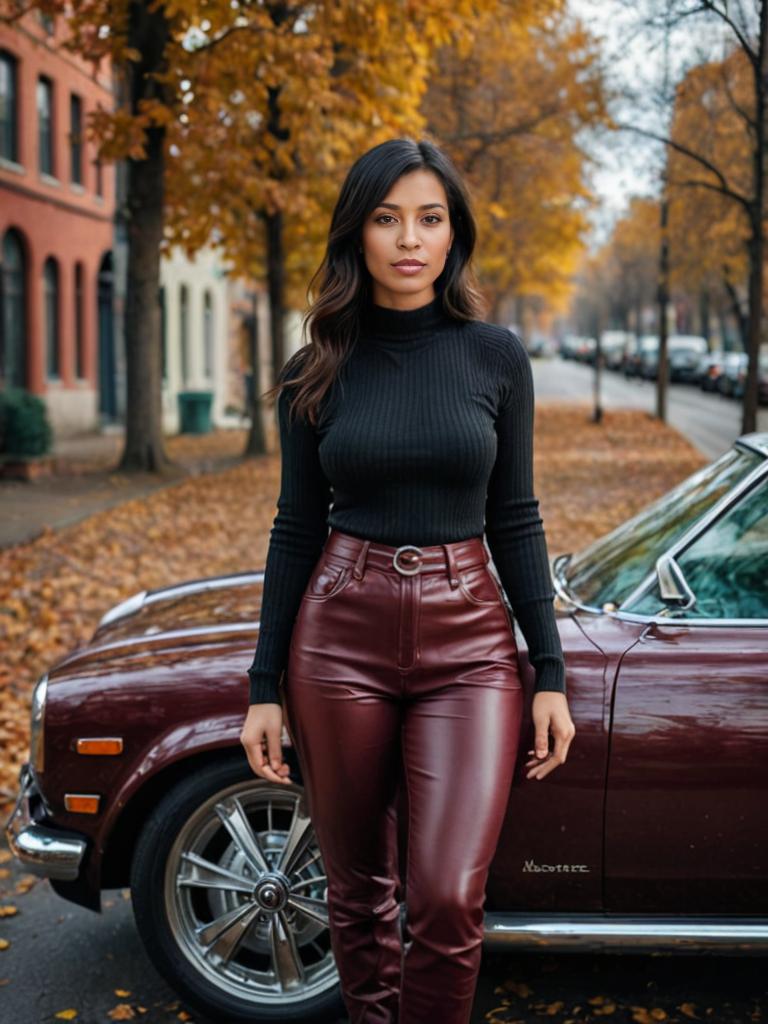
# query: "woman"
415,418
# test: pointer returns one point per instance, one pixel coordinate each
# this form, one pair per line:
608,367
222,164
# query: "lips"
409,263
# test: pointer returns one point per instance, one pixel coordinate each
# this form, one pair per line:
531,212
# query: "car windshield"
612,567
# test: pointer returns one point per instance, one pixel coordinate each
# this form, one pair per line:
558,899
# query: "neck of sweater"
404,328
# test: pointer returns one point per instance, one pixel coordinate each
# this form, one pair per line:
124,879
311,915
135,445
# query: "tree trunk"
144,449
757,240
275,287
663,300
256,443
738,313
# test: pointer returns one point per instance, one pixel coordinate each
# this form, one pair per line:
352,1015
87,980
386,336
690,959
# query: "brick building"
57,206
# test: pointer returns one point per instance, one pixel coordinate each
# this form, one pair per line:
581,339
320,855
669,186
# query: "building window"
76,139
45,124
99,176
13,313
51,315
184,333
48,23
9,117
79,321
208,335
163,333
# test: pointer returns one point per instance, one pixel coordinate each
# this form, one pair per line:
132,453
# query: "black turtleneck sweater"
425,437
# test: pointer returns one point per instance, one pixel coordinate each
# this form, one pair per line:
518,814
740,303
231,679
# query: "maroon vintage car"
652,835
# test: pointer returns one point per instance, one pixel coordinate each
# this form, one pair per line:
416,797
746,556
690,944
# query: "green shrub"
24,425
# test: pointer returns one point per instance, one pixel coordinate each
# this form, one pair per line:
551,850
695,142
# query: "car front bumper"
43,849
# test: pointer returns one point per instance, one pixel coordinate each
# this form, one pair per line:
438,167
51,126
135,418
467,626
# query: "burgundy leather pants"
413,670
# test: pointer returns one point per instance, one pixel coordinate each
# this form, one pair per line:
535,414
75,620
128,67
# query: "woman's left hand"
550,713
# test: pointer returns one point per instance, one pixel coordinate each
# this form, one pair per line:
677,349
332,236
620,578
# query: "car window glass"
613,566
727,566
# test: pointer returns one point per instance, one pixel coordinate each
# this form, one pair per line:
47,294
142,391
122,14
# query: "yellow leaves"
640,1015
603,1006
66,1014
4,944
123,1011
8,910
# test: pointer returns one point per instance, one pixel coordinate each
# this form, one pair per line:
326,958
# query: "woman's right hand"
262,729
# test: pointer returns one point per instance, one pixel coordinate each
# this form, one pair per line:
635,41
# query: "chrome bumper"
42,850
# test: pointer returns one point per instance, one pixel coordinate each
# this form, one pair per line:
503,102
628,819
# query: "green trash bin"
195,412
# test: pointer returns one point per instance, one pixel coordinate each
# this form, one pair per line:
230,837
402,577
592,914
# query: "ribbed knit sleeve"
514,527
299,530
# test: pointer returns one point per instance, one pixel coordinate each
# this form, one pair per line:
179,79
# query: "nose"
408,237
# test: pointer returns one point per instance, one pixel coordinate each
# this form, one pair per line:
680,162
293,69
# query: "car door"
688,764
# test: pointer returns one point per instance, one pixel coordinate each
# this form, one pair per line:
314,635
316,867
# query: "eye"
437,219
382,215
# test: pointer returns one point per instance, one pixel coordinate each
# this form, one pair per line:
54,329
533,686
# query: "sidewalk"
85,479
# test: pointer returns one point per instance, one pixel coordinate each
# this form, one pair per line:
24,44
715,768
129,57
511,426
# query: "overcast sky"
633,57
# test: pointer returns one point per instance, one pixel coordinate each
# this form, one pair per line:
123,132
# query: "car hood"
187,614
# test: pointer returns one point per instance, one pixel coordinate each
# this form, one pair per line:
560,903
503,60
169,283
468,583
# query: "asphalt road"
709,421
62,957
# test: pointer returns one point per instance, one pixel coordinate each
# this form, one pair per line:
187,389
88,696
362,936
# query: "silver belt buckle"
417,565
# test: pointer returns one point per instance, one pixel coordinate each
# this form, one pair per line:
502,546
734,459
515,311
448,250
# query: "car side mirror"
673,585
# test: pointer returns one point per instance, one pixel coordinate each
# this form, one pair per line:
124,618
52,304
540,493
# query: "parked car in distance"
683,354
709,370
645,356
762,378
651,838
613,345
728,381
569,345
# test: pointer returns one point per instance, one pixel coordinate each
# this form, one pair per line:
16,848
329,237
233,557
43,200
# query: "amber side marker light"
100,745
82,803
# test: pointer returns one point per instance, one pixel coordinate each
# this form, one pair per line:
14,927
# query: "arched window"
9,107
79,321
51,315
184,333
13,312
208,334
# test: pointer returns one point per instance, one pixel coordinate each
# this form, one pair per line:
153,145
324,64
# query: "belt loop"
357,572
452,572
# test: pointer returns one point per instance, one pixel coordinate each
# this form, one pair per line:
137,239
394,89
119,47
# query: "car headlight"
37,724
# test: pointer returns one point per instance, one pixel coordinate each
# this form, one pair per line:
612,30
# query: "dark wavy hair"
344,281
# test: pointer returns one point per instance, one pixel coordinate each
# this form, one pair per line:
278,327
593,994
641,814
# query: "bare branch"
724,189
708,6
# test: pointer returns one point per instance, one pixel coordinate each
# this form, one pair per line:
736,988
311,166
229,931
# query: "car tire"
193,872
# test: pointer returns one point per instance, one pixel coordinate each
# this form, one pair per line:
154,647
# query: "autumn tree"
706,166
282,94
509,107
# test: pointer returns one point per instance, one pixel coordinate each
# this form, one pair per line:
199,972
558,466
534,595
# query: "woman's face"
411,223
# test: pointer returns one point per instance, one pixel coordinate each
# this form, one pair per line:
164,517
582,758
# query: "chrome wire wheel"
246,895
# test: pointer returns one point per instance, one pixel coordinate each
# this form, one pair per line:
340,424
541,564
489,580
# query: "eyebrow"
424,206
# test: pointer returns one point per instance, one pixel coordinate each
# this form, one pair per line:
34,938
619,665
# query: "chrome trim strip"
129,606
137,601
601,931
